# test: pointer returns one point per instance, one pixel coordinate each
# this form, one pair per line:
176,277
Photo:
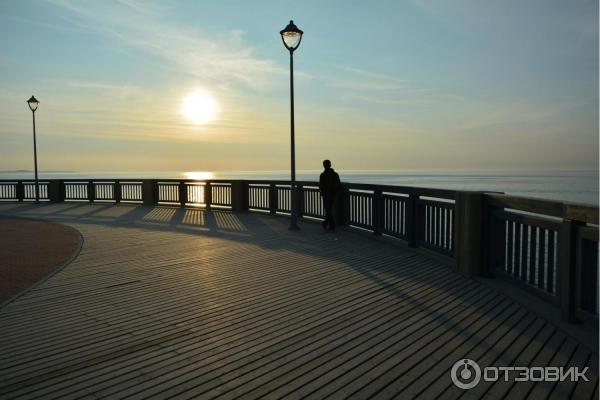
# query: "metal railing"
549,248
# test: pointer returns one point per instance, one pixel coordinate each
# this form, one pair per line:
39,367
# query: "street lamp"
291,37
33,105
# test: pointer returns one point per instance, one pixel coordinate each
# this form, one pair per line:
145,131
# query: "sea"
568,186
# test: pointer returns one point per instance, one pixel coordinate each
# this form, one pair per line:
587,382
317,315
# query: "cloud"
378,100
374,75
360,79
119,91
354,84
508,114
214,58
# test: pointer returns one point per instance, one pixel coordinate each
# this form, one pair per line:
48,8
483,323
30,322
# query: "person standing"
329,185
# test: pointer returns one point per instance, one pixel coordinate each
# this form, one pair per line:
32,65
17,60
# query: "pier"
188,289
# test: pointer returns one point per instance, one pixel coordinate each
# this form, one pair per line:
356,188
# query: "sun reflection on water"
199,175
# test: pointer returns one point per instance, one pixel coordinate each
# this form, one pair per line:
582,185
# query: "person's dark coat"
329,183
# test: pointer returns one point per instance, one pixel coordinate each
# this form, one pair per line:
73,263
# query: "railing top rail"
421,191
565,210
414,190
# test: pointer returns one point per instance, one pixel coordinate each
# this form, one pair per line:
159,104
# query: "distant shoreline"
348,171
26,171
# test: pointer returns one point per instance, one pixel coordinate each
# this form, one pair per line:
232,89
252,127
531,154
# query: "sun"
200,107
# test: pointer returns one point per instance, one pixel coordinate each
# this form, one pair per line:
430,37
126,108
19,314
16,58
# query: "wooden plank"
565,389
542,390
543,358
522,358
502,354
417,377
586,390
381,368
439,382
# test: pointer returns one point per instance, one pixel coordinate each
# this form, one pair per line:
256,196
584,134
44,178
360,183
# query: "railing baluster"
542,263
532,254
524,247
517,256
440,223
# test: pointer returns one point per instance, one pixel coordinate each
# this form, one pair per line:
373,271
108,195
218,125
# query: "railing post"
149,192
117,191
20,191
566,269
377,212
421,221
208,195
587,272
55,192
412,220
239,196
341,206
273,198
91,192
494,241
300,199
468,218
182,194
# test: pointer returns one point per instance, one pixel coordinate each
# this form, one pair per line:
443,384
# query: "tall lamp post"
33,105
291,37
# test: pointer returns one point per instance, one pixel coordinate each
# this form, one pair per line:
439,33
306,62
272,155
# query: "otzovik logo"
465,373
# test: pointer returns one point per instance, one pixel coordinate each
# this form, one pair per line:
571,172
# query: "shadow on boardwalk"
169,301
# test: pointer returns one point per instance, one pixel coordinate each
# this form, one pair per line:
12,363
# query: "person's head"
327,164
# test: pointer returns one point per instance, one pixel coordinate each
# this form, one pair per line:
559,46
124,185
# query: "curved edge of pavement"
55,270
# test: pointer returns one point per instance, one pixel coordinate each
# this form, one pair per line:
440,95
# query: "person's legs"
328,203
325,223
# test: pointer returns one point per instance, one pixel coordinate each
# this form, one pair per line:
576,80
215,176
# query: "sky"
379,85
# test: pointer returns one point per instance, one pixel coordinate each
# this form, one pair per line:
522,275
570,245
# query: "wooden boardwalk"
182,303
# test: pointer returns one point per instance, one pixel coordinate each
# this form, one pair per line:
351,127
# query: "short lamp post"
291,37
33,105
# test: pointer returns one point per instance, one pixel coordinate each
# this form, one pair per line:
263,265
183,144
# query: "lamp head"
291,36
33,103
